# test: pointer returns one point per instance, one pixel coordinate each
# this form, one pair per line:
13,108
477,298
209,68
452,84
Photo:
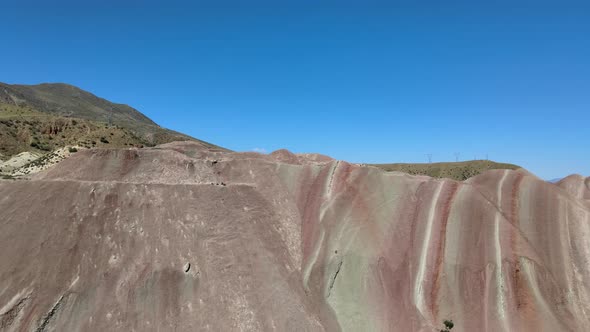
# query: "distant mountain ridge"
459,171
69,101
37,118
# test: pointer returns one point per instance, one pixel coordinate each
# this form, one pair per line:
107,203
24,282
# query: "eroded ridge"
183,237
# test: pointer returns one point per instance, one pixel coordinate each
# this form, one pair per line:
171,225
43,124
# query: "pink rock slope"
183,238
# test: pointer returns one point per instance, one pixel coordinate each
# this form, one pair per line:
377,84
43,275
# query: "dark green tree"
448,325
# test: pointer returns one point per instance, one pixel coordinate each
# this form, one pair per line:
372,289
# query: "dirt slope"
181,238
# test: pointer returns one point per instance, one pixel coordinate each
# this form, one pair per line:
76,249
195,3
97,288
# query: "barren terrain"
183,237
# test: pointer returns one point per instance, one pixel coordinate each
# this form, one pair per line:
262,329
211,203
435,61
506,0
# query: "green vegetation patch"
24,129
459,171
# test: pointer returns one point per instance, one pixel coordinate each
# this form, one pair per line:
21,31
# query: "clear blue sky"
362,81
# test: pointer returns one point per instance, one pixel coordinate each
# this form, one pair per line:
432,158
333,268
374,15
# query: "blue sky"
363,81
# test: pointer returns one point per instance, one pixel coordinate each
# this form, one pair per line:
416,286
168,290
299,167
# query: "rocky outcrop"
181,238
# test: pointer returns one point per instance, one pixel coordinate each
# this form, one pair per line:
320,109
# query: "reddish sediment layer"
182,238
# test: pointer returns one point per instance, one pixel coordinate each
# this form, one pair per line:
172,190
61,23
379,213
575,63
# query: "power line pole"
457,154
429,158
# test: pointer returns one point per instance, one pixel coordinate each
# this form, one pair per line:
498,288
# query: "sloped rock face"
183,238
577,185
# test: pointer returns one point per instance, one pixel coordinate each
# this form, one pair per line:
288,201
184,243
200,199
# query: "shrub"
104,140
72,149
44,147
41,146
448,325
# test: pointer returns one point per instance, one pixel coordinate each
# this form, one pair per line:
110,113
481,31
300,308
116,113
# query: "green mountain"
67,101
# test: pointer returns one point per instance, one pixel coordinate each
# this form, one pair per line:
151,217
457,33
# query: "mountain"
459,171
42,124
29,113
65,100
25,129
185,237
